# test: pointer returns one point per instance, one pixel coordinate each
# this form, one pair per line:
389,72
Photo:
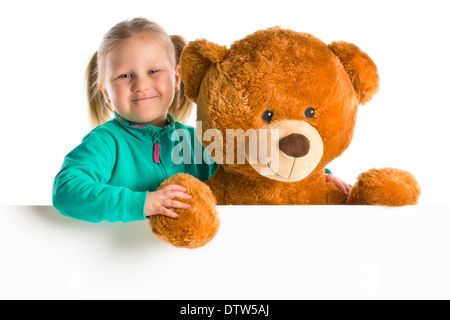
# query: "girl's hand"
159,201
341,185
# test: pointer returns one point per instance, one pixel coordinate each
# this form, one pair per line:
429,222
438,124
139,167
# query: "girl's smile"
144,99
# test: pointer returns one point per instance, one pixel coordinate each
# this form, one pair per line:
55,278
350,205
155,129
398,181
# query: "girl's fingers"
175,204
348,187
168,213
178,195
175,187
341,187
174,191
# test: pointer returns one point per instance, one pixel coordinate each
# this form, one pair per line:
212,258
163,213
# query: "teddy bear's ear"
195,60
360,68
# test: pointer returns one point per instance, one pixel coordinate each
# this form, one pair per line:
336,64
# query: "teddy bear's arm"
385,187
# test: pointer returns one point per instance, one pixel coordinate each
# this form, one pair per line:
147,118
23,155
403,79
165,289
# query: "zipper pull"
156,148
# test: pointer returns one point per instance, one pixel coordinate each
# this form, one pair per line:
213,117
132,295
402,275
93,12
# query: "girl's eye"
153,71
309,113
267,116
127,75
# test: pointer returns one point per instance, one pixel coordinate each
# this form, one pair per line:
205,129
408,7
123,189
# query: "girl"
113,174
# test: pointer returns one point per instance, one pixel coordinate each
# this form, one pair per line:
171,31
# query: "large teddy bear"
283,105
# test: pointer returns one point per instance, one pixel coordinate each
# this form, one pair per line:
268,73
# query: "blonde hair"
100,110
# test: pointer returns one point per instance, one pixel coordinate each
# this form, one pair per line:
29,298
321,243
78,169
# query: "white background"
46,45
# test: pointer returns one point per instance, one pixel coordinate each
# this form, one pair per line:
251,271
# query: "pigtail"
99,110
181,108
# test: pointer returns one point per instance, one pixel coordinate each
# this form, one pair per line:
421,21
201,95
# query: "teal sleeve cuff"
134,206
328,171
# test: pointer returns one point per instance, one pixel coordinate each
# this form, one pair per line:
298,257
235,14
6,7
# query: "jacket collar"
146,129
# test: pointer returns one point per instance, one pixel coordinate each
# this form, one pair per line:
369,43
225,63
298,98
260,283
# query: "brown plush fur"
285,72
371,187
193,228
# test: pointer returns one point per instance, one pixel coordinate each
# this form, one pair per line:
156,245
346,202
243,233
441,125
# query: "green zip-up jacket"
107,177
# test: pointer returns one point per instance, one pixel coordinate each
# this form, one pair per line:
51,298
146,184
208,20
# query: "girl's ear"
196,58
102,88
359,67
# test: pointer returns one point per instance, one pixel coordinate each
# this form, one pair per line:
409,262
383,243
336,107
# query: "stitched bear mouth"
276,174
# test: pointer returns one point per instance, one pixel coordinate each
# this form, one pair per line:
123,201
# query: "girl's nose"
141,84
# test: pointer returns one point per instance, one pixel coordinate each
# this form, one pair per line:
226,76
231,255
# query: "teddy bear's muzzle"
294,149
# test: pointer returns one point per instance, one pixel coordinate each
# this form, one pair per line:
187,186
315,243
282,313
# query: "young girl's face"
139,80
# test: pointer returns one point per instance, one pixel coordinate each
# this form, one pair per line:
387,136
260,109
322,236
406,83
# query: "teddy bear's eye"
267,116
309,113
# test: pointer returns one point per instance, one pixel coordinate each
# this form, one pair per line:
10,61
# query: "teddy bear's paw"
385,187
194,227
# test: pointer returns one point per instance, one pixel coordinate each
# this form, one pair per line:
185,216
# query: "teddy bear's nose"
295,145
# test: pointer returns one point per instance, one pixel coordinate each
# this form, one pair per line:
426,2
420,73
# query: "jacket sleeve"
80,189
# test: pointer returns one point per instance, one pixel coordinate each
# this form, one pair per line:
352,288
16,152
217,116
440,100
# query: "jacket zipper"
156,148
156,151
